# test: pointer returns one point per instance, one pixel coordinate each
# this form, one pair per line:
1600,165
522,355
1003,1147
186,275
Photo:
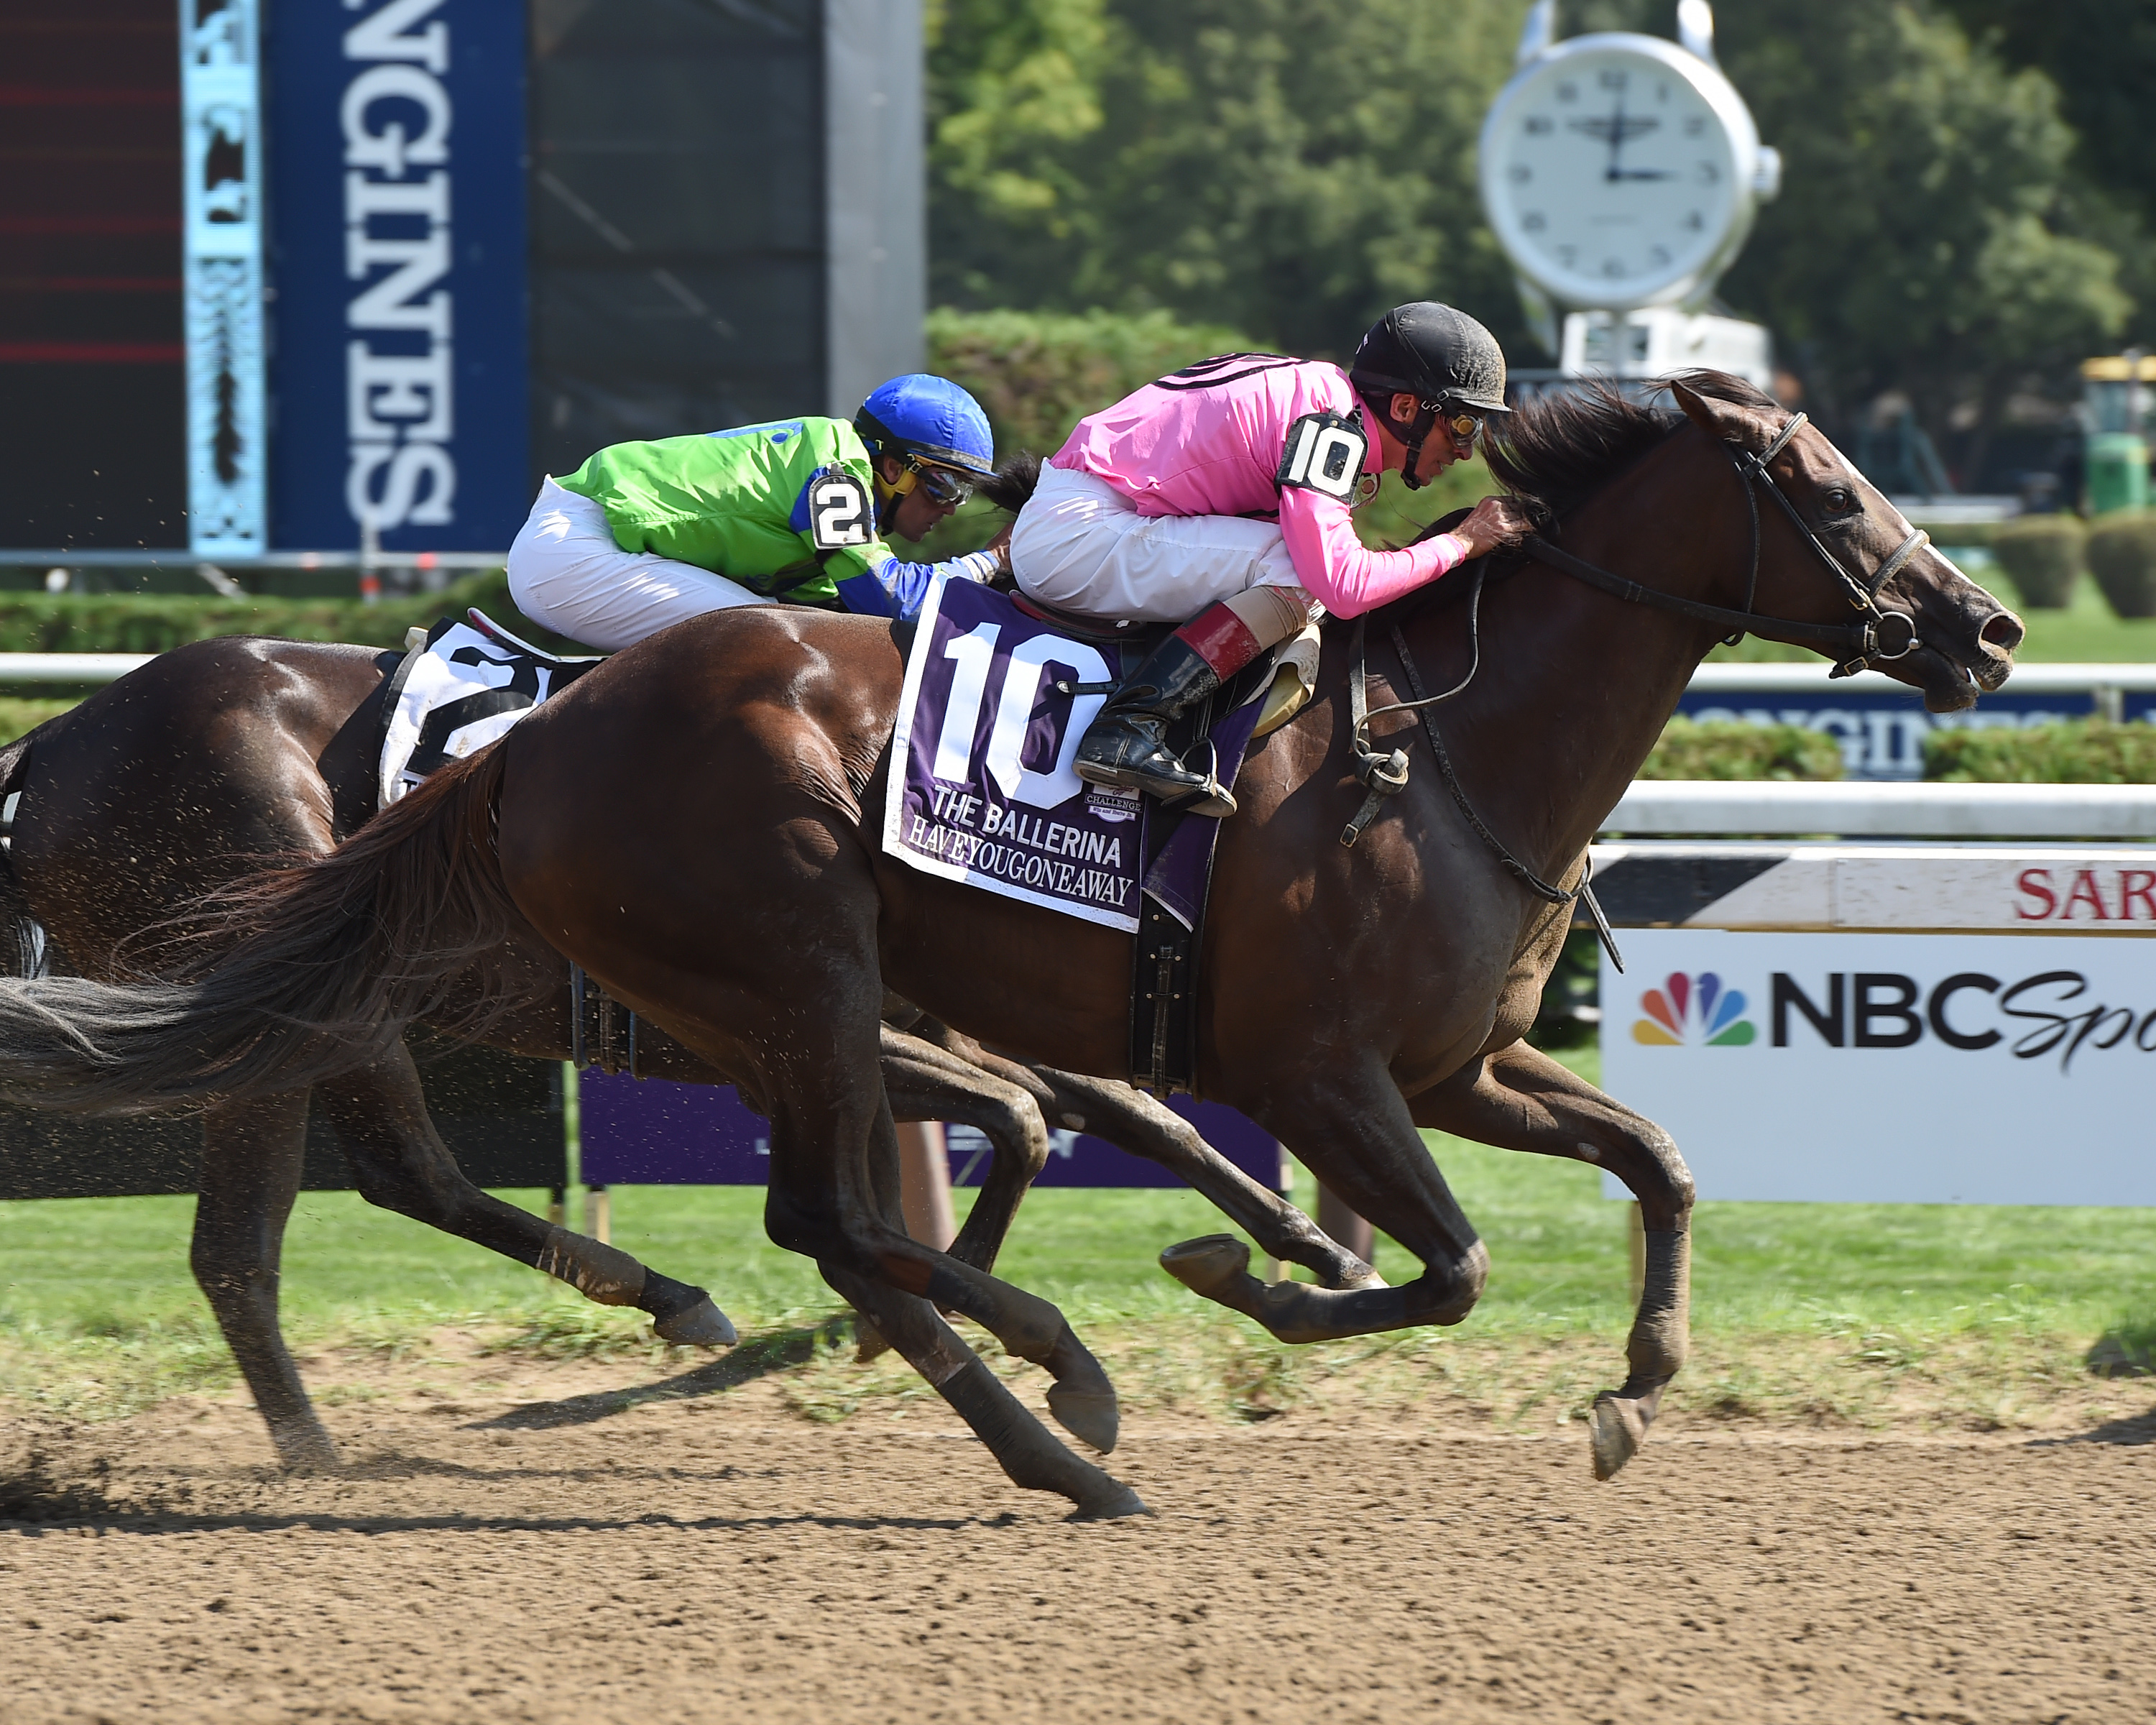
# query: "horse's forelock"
1556,450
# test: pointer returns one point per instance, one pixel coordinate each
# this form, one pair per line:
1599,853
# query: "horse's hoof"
1203,1266
1089,1416
1119,1503
306,1448
703,1325
1615,1429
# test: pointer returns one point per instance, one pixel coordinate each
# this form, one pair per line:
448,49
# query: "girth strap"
1383,776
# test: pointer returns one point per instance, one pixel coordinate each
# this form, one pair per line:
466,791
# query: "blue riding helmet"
929,418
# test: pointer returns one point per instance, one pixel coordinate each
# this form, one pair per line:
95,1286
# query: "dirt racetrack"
556,1551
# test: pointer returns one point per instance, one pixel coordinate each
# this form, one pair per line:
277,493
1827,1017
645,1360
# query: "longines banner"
1906,1069
397,269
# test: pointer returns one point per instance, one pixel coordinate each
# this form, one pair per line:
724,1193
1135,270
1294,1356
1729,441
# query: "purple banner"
652,1132
988,793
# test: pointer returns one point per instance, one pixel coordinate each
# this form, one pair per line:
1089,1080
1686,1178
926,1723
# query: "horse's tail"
314,969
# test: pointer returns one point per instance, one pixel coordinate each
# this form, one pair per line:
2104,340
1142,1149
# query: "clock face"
1615,177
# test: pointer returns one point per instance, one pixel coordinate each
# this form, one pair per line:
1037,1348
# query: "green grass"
1796,1306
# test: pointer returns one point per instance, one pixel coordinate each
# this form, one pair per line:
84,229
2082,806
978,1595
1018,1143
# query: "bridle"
1857,646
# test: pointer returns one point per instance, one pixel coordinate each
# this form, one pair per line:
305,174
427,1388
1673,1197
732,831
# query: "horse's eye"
1839,501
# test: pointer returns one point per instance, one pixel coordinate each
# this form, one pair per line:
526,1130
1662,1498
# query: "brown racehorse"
184,776
694,823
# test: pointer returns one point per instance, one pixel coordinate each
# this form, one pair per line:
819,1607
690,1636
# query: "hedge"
2041,555
1039,373
2077,752
2121,555
1727,748
137,623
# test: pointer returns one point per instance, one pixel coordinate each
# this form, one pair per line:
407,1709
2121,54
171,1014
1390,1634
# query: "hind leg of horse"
831,1132
1027,1455
1521,1099
1352,1127
252,1154
401,1163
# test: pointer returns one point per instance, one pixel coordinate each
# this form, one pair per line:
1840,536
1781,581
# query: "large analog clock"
1621,171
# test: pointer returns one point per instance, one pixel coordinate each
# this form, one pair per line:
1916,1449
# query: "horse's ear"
1723,420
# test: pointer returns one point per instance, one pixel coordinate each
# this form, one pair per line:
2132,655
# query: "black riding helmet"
1442,357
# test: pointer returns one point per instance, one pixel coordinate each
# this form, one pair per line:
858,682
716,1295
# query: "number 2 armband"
840,514
1324,453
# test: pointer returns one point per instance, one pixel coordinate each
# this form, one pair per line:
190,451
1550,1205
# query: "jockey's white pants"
565,571
1079,545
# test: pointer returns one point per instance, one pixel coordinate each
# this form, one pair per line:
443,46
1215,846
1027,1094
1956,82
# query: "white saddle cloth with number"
460,687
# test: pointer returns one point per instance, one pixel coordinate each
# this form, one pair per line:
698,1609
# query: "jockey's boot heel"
1126,744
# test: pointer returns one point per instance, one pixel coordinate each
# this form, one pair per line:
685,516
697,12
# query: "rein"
1386,775
1855,646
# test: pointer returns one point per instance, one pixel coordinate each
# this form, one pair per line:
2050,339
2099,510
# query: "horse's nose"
2002,633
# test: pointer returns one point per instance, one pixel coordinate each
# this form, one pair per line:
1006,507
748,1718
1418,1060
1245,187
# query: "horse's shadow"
2130,1430
759,1358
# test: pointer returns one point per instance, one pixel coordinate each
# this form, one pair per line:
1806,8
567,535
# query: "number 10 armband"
1325,453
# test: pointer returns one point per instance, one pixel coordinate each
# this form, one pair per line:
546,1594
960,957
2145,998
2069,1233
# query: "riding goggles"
1460,426
944,485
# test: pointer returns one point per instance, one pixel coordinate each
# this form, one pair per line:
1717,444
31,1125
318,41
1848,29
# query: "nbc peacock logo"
1688,1008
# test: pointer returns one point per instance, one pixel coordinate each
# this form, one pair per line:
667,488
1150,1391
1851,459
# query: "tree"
1244,161
1918,244
2101,55
1292,171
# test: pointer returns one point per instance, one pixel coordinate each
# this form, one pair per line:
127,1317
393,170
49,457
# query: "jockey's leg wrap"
1229,635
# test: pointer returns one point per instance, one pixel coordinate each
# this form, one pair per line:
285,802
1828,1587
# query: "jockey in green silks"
645,535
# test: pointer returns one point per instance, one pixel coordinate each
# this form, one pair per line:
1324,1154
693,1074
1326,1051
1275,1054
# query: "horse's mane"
1552,453
1556,450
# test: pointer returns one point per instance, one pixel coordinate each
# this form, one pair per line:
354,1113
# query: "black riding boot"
1127,746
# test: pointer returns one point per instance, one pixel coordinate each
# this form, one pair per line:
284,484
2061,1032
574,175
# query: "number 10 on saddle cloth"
982,785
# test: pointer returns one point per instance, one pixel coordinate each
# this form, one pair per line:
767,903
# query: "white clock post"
1621,172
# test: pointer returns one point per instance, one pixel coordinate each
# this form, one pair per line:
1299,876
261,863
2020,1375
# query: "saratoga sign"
1916,1069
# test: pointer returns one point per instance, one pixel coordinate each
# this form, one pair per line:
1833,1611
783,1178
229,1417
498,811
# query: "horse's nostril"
2003,632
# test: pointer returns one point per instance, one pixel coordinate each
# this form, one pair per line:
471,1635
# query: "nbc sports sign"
1909,1069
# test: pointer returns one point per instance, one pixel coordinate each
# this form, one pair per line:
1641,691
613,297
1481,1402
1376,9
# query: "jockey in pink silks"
1221,495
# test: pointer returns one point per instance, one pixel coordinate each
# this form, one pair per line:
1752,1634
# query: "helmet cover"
930,416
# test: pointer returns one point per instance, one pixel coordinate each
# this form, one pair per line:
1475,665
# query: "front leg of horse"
1354,1131
1521,1099
1133,1121
927,1081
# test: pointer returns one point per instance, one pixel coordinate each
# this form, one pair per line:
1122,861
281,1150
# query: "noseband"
1855,646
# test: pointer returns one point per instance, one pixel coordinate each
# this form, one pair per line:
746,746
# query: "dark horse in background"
694,823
